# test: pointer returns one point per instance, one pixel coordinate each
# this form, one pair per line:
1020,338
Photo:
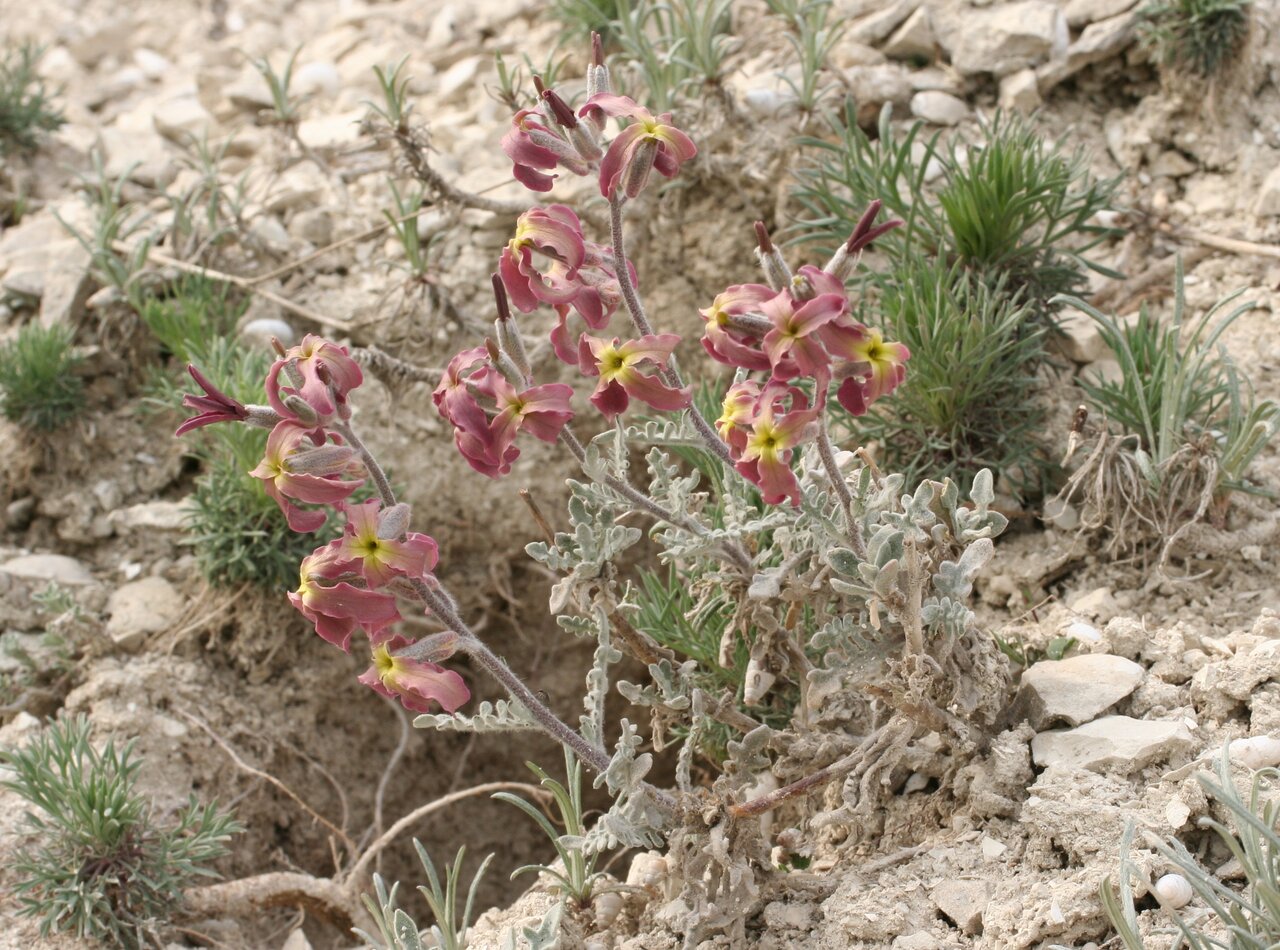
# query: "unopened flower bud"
503,364
264,417
510,341
638,170
278,347
300,408
774,265
322,460
394,522
432,649
864,233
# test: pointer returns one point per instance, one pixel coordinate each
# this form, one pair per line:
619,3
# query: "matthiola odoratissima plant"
811,550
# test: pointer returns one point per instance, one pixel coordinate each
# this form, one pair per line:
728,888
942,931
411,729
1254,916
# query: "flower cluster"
352,581
797,331
801,333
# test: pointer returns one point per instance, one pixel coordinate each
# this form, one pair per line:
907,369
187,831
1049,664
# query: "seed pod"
1173,891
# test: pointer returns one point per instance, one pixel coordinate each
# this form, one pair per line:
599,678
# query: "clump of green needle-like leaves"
100,863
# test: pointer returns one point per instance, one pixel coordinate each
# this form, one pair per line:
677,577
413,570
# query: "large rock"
873,86
877,26
1008,37
915,39
938,108
1099,41
962,901
141,608
1077,689
1115,742
54,568
1078,338
1082,12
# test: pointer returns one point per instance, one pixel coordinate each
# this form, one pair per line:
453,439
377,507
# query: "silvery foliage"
922,552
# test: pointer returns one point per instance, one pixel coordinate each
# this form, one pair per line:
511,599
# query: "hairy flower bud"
510,342
638,170
264,417
597,78
432,648
322,460
774,265
394,522
300,408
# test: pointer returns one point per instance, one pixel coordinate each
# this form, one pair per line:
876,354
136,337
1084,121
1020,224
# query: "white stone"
141,608
457,78
331,131
920,940
872,86
962,901
316,78
915,39
992,850
938,108
1105,370
182,119
152,516
1112,742
258,333
1171,164
314,225
873,28
138,154
271,234
57,568
1086,632
1077,689
1008,37
1098,604
1061,514
297,940
1256,752
1099,41
1082,12
1020,91
1079,338
1267,204
152,64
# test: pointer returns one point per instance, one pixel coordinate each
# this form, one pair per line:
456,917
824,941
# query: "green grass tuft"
39,389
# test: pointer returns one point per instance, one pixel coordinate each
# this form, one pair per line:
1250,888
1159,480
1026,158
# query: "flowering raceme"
348,583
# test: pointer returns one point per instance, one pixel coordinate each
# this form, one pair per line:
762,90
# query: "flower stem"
735,552
441,604
827,451
635,307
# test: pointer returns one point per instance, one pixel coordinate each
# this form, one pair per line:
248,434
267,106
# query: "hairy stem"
441,604
631,299
734,551
836,477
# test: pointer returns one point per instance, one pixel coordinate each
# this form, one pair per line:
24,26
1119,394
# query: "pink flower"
555,232
337,609
876,369
535,148
416,683
794,345
488,444
648,142
306,359
765,458
727,337
737,413
213,406
619,367
319,485
381,559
